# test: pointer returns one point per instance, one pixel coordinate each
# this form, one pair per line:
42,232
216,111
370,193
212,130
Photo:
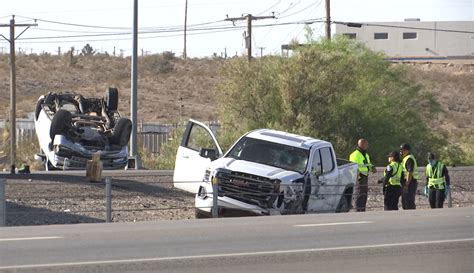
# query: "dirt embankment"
171,88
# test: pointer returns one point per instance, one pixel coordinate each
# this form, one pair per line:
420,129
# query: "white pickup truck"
265,172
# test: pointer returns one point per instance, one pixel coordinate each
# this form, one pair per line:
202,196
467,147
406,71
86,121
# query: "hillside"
166,83
160,92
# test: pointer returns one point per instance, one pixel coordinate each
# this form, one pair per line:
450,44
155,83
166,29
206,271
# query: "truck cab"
265,172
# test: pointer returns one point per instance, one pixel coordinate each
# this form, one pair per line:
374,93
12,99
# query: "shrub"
333,90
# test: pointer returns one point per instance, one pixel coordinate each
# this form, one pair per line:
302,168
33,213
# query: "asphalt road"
402,241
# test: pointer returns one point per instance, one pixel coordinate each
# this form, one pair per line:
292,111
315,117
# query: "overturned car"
71,128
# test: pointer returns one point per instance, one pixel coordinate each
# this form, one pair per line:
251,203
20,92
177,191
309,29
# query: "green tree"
334,90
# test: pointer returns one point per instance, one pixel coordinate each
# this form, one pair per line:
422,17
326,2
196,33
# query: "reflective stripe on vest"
435,178
415,166
362,162
396,177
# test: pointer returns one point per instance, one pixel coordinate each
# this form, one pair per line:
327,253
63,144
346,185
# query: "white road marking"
238,254
30,238
334,224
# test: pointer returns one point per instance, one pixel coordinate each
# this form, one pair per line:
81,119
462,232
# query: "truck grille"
248,188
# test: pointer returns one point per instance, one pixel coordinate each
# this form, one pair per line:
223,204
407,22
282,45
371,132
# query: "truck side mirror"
316,171
208,153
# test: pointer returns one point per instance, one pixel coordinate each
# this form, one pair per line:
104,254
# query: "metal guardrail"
141,195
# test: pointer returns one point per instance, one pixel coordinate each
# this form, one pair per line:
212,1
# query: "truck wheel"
60,122
201,214
343,205
111,98
122,131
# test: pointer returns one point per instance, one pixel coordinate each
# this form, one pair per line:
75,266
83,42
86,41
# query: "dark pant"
436,198
408,195
360,193
391,196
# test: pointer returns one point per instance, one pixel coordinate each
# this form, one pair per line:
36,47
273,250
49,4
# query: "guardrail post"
108,199
215,189
3,214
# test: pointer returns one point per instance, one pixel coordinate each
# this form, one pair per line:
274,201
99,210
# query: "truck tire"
111,98
122,131
344,205
61,120
199,214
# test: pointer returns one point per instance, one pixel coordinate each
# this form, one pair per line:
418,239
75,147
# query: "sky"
106,24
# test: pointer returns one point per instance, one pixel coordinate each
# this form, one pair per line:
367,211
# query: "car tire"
60,123
199,214
111,98
343,205
122,131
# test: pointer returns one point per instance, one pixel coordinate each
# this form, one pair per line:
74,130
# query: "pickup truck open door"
198,147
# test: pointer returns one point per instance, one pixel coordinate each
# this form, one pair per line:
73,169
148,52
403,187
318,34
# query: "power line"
301,10
310,21
125,39
268,9
248,36
115,27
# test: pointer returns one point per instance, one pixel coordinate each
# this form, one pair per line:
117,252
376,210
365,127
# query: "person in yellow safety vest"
410,168
437,181
392,186
362,158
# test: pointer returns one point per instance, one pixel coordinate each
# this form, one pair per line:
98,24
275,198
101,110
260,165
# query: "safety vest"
435,178
415,167
363,162
395,179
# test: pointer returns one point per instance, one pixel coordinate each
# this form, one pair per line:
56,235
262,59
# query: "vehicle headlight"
277,186
207,174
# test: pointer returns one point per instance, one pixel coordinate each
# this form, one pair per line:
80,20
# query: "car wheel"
111,98
122,131
199,214
343,204
60,123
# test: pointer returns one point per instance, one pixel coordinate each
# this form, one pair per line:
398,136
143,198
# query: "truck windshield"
270,153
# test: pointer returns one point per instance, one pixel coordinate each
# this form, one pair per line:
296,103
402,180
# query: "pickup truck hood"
256,169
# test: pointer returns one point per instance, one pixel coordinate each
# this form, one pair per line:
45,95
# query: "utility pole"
12,39
261,51
134,91
328,19
185,28
248,39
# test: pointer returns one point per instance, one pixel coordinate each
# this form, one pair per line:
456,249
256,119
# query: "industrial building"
414,38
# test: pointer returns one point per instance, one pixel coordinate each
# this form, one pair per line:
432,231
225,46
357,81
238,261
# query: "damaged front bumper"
227,205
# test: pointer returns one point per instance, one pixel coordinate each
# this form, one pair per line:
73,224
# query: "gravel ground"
44,199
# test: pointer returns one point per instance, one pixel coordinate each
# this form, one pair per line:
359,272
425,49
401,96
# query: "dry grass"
159,93
165,83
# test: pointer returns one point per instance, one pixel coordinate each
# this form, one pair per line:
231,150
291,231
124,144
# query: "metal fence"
67,197
151,135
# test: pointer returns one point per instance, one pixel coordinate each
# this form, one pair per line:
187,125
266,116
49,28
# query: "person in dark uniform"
437,181
362,158
410,169
392,181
